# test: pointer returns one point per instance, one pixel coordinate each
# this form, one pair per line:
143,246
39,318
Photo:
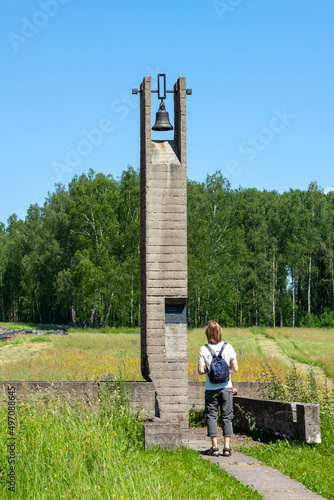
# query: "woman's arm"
233,366
201,368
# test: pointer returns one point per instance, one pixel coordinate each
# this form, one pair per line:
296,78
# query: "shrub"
310,320
327,318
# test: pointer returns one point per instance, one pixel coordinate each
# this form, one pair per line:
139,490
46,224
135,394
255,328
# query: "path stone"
269,482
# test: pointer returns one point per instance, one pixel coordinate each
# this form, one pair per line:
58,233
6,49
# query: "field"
71,450
92,356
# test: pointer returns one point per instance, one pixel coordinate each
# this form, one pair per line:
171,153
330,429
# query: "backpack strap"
213,354
221,350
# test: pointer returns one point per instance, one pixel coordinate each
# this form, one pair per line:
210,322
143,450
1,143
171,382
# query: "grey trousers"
223,399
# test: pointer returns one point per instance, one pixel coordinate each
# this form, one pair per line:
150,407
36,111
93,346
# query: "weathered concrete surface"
162,433
163,248
269,482
88,391
282,418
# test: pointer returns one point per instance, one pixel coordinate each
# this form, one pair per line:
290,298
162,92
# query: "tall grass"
78,356
312,465
70,449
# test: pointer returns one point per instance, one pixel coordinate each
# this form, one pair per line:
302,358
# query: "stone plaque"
175,313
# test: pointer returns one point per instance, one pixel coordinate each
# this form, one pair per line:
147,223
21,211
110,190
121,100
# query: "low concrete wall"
281,418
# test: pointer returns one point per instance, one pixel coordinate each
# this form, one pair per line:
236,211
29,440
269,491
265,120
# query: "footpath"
268,482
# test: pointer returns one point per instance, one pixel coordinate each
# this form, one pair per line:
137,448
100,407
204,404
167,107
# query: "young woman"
217,395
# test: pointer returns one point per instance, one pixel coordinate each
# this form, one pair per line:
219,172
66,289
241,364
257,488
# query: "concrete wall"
163,184
280,418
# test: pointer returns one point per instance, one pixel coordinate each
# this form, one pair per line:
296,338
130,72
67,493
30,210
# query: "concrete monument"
163,177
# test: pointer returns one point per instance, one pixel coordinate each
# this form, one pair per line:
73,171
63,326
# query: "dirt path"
271,347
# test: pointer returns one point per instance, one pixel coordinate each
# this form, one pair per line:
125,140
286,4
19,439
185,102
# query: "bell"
162,119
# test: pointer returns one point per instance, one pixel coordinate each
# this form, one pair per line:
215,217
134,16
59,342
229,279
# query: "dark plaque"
175,313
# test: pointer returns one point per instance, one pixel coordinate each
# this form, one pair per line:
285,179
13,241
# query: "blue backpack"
219,371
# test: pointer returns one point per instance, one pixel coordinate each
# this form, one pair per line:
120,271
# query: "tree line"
254,257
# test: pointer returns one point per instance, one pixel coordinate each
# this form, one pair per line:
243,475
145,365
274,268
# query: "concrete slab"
267,481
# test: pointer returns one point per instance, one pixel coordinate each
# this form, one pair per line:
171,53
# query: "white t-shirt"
206,357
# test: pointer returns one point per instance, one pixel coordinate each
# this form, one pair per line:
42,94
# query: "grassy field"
311,346
69,450
90,356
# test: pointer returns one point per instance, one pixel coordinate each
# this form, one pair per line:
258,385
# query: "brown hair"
213,332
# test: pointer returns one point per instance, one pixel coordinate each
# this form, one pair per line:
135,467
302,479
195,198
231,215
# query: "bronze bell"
162,119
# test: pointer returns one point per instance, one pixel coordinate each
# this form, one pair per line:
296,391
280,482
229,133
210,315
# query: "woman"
218,394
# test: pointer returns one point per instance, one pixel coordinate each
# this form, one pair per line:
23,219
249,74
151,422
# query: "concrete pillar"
163,174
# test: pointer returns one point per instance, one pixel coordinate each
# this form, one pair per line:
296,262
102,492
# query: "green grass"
313,346
26,326
95,462
69,450
78,356
109,329
312,465
82,355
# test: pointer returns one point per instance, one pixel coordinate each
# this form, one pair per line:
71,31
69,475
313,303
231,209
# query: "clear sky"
261,72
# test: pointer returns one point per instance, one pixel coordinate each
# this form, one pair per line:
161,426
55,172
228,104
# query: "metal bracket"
163,96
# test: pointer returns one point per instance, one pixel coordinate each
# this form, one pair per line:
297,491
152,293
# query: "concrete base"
163,433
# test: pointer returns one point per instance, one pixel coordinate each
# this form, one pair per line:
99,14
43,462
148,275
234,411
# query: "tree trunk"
299,293
208,294
241,310
331,278
309,286
2,302
92,317
131,303
281,307
199,311
72,316
105,322
293,300
274,292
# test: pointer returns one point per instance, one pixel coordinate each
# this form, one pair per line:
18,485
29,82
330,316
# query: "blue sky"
261,72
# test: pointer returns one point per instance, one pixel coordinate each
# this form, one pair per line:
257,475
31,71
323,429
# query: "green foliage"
254,258
310,321
197,418
327,318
